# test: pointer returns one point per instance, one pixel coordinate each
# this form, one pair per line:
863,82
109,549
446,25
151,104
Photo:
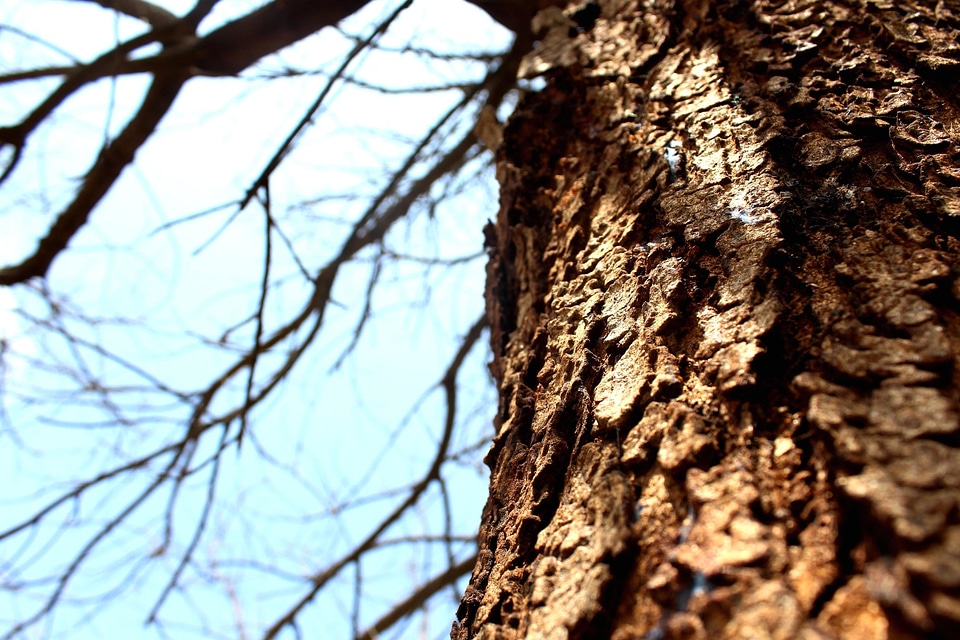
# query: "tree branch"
448,384
238,44
107,168
226,51
154,15
418,598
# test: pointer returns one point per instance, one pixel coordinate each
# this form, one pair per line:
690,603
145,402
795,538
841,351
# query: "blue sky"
329,450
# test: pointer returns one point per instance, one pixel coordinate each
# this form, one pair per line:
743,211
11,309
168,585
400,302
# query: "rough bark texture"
723,292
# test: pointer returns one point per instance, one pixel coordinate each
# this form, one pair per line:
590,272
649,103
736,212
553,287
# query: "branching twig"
198,532
418,598
261,308
112,161
68,573
228,402
449,385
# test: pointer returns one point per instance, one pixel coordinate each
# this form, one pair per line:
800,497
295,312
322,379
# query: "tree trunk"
723,292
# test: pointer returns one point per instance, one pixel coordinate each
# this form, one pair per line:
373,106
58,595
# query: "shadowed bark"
724,310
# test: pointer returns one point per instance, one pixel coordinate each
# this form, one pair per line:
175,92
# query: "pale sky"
328,435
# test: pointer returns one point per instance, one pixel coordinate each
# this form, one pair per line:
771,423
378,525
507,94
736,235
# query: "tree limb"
238,44
154,15
226,51
107,168
418,598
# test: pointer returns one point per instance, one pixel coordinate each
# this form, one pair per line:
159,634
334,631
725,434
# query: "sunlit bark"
723,298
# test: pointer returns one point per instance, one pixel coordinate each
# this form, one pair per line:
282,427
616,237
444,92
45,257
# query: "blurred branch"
106,169
154,15
449,385
33,38
64,578
218,414
78,491
236,45
261,307
108,64
418,598
198,532
226,51
291,139
388,207
36,74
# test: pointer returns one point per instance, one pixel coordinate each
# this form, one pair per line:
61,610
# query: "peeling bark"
723,294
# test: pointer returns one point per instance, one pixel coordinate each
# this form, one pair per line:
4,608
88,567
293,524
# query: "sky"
161,287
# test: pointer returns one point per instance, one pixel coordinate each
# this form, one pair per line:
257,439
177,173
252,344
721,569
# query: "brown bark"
724,305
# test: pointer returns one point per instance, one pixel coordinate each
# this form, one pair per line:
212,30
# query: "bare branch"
107,168
68,574
291,139
77,491
36,74
261,307
418,598
154,15
448,384
201,525
369,229
225,51
33,38
275,337
274,26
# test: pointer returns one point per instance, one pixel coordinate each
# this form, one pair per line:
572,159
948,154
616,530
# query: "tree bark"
723,294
